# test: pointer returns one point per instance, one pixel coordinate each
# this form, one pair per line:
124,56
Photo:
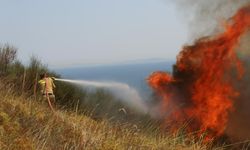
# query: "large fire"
200,90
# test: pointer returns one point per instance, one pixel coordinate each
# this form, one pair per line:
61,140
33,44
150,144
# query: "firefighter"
47,86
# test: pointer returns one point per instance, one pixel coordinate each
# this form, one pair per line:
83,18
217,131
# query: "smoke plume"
239,122
206,17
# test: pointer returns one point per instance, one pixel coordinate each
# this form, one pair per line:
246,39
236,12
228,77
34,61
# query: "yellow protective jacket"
46,85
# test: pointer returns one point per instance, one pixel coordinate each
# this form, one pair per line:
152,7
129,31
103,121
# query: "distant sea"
134,74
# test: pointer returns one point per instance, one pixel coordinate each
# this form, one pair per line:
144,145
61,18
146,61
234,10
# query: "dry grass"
28,124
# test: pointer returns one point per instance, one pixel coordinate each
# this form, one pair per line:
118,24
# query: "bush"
7,57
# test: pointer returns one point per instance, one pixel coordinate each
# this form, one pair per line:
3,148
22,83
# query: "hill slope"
29,124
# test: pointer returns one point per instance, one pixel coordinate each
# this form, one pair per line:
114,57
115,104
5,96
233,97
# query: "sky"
65,33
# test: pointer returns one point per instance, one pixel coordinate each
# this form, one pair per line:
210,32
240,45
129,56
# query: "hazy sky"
74,32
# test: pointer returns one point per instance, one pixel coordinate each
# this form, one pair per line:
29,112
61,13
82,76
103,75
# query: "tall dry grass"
29,124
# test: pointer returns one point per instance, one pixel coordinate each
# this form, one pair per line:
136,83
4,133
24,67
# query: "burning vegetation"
200,91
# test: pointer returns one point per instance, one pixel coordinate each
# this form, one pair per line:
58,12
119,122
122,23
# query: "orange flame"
203,76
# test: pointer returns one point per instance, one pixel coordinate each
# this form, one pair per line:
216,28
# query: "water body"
134,75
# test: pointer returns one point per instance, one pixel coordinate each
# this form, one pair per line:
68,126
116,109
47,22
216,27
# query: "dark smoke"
206,17
239,124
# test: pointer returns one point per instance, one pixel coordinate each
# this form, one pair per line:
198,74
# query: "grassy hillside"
29,124
82,120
